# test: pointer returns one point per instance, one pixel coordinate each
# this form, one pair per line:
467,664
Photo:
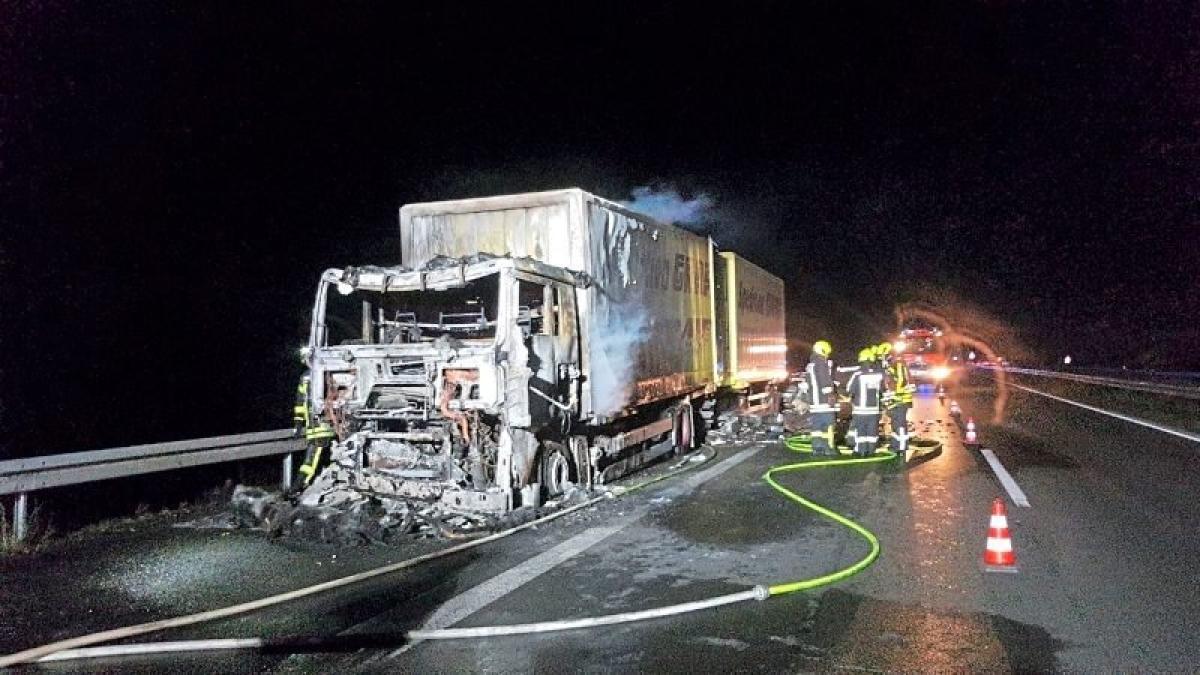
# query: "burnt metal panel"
645,321
721,364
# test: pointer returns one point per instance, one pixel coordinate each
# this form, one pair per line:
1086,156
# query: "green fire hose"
801,443
797,443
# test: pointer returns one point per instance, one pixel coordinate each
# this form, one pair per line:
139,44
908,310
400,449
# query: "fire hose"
76,648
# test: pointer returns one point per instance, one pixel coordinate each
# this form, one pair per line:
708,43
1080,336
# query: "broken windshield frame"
377,315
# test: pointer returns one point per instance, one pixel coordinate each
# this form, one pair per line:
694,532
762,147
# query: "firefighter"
317,435
822,399
865,390
883,354
300,410
898,400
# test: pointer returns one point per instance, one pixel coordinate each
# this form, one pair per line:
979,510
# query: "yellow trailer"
751,344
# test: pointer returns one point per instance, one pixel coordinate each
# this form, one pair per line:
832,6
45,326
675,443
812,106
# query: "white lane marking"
1006,479
1135,420
468,602
1117,383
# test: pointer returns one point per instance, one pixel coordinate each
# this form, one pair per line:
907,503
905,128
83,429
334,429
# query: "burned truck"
524,344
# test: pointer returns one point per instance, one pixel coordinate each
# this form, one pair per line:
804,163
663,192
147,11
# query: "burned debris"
343,516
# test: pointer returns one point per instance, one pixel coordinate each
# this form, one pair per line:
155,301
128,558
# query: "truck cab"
426,375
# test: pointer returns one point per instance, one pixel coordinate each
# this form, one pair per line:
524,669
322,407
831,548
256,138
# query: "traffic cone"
954,409
972,438
999,555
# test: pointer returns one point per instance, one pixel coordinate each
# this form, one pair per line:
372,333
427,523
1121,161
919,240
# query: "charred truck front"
527,342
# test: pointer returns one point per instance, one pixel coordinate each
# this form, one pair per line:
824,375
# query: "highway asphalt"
1106,551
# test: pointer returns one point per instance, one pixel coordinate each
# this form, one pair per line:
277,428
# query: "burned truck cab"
435,381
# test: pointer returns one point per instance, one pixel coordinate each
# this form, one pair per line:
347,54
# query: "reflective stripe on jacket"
820,384
865,389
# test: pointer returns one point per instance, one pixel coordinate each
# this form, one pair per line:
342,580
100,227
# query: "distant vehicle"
929,358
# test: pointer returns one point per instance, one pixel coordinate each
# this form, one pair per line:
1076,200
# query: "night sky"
174,176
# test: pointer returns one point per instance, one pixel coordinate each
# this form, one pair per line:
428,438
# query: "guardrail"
1183,377
22,476
1181,391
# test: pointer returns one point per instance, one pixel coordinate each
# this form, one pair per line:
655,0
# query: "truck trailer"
527,343
751,354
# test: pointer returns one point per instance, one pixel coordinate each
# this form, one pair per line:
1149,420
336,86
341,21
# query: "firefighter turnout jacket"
317,434
865,389
901,388
821,394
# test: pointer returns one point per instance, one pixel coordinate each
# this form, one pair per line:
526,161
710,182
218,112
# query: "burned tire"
556,471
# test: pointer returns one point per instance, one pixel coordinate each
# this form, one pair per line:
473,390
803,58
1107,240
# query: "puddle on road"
859,632
834,631
740,524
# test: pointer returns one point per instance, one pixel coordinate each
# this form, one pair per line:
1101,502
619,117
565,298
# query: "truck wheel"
556,469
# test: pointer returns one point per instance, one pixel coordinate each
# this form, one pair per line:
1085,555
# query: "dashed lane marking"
467,603
1006,479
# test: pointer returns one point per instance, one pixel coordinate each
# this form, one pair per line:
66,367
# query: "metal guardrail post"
286,482
21,516
19,477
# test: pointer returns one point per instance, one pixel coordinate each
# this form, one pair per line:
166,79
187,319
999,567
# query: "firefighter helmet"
883,349
867,354
823,347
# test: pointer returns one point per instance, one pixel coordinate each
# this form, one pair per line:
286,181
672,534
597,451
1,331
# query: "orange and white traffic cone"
972,438
999,555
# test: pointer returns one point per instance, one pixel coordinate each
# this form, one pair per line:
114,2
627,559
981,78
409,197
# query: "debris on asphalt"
338,510
345,516
734,427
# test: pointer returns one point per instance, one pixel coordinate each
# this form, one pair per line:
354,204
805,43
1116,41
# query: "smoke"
667,205
617,344
964,325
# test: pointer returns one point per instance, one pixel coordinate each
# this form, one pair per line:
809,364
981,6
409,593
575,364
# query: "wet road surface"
1107,554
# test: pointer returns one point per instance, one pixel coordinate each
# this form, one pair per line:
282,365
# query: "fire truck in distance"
929,358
